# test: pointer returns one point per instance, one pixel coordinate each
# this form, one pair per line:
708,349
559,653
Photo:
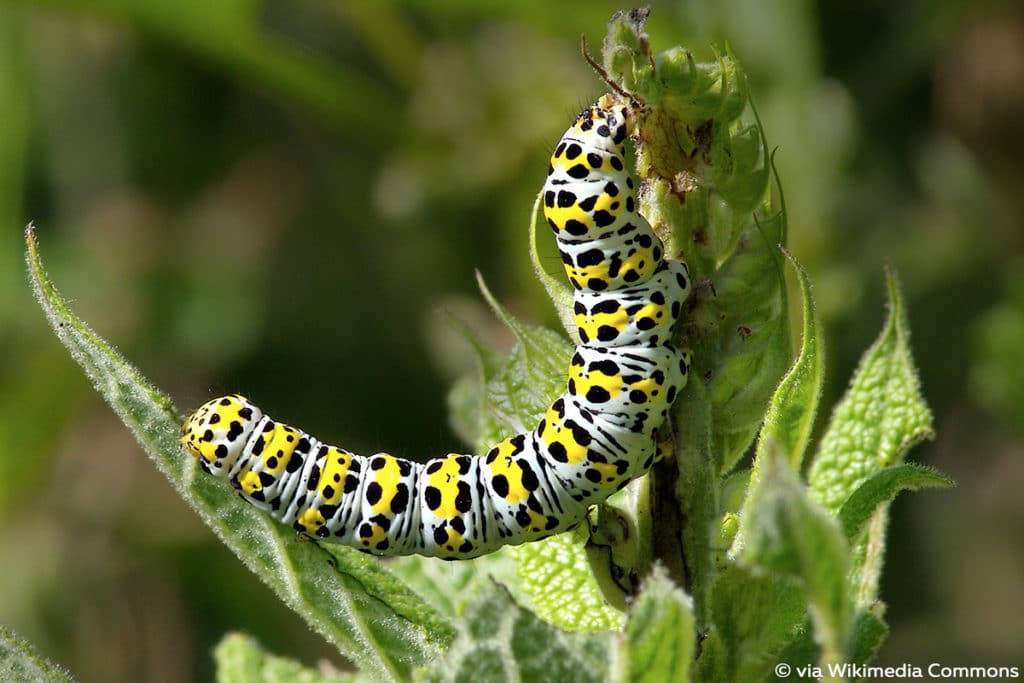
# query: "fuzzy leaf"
690,93
788,533
869,630
867,634
738,325
448,585
624,41
741,335
881,416
20,662
500,641
742,185
557,575
790,416
755,339
801,650
346,596
660,636
754,614
240,659
881,488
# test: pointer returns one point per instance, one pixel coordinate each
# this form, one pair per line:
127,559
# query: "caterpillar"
592,440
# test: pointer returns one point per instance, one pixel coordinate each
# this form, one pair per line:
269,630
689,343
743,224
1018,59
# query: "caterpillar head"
217,432
605,124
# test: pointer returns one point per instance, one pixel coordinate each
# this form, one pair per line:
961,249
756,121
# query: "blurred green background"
282,197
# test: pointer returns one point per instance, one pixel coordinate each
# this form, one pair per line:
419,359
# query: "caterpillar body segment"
458,506
593,439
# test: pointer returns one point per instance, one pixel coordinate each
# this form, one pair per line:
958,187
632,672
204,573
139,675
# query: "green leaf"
738,325
240,659
742,185
753,339
867,634
660,635
691,106
790,416
557,576
500,641
869,631
881,488
788,533
344,595
711,162
881,416
448,585
754,613
734,490
801,650
19,661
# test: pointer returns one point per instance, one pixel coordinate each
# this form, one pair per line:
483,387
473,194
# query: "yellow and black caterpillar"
595,437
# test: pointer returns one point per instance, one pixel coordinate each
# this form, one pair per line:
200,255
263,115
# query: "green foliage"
660,637
788,535
790,417
882,415
501,641
753,563
880,488
564,587
19,661
240,659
